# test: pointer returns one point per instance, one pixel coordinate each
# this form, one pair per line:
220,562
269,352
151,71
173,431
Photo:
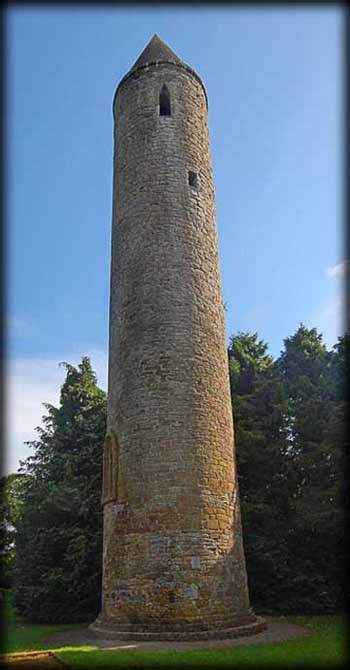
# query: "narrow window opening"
193,179
164,102
110,469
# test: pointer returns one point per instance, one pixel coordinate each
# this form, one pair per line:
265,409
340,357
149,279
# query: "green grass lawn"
18,635
324,647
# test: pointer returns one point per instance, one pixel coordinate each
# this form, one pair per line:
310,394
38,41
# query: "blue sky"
275,85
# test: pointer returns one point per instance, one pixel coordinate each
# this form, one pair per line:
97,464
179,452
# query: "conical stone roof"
156,51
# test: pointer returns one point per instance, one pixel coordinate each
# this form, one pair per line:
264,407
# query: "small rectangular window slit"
164,102
193,179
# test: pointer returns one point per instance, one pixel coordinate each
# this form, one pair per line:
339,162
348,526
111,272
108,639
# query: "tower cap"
156,52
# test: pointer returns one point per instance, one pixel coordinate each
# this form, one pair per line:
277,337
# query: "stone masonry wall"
173,555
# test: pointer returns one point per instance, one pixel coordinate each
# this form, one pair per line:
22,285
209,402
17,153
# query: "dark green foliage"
263,465
11,489
59,529
290,440
314,389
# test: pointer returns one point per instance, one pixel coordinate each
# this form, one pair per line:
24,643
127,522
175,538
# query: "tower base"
108,630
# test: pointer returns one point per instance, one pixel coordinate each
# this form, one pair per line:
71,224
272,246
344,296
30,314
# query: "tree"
315,401
11,488
289,419
59,529
264,478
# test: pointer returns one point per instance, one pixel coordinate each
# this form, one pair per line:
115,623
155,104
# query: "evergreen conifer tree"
263,468
59,530
315,400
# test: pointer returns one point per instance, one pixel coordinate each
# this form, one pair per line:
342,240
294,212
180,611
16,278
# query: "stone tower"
173,561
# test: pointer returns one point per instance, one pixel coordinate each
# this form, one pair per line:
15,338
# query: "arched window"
164,102
110,468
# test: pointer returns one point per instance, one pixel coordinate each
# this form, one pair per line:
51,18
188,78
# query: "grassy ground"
324,647
19,635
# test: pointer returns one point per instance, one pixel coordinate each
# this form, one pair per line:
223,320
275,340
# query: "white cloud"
330,320
29,383
328,317
338,271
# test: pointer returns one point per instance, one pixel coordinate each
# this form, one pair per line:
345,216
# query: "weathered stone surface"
173,554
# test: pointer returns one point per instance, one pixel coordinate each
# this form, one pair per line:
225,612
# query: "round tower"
173,560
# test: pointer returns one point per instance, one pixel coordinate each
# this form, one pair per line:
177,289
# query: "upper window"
164,102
